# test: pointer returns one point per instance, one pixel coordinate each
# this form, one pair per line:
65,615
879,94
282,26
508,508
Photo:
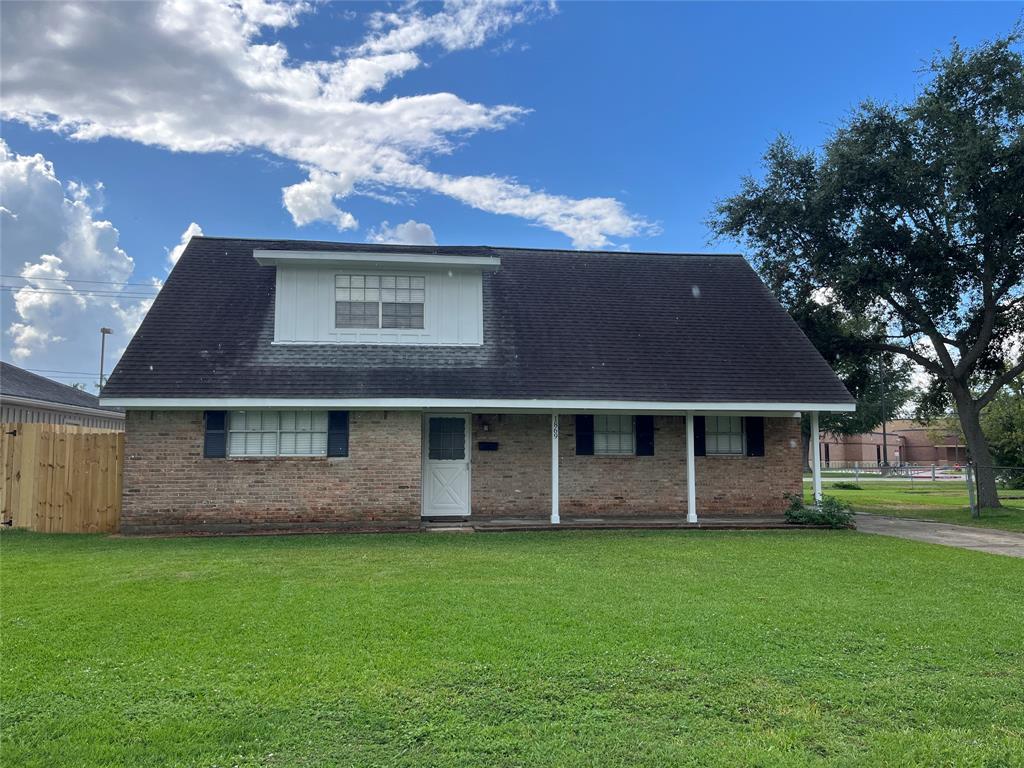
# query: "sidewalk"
980,539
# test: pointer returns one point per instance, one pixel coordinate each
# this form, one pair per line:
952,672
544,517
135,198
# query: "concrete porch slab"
590,523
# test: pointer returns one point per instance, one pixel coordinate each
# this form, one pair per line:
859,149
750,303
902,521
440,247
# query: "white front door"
446,466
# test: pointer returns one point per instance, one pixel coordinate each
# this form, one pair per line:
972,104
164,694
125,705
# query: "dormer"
371,297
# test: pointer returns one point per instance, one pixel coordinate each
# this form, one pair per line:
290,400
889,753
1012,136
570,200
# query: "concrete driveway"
980,539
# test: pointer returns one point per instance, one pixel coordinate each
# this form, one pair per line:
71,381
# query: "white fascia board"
475,406
370,259
47,405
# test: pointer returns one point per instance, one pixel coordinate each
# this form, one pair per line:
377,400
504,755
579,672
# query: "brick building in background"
909,442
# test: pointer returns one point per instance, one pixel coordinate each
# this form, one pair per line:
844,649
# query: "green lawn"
587,648
944,500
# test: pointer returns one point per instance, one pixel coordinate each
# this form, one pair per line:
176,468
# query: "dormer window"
379,301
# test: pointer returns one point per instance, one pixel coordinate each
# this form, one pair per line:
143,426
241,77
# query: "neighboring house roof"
17,384
557,324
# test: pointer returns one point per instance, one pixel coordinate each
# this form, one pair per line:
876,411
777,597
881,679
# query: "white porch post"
554,469
691,473
815,457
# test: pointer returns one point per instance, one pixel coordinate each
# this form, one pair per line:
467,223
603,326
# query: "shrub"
832,512
847,485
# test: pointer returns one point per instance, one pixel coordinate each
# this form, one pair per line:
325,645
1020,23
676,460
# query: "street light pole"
103,349
885,439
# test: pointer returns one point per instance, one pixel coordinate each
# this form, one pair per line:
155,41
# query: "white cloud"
208,77
192,230
313,200
409,233
71,268
464,24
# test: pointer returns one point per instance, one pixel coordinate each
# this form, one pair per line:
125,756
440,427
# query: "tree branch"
919,316
998,383
988,322
917,357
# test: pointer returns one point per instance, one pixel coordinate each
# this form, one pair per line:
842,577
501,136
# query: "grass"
944,500
636,648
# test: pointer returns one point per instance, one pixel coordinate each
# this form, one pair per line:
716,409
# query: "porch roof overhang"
475,405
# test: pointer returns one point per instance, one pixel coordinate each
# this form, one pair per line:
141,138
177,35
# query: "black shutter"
584,435
755,435
644,435
215,436
337,433
699,443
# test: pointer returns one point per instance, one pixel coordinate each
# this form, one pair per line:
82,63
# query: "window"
613,435
277,433
724,435
447,439
379,301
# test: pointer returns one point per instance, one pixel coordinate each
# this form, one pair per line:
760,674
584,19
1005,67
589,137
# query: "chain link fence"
1009,481
905,471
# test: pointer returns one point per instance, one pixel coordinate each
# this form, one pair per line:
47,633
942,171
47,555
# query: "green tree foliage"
909,223
1003,422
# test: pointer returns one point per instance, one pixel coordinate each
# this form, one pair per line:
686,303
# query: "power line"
56,292
58,370
76,280
69,288
56,376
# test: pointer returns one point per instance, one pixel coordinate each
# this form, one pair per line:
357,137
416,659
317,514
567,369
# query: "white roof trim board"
267,258
476,406
49,405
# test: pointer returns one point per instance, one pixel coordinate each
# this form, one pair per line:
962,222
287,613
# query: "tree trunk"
977,449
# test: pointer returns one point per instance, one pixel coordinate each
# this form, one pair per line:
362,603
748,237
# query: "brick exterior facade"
170,487
515,480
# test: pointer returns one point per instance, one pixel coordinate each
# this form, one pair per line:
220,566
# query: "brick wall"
169,486
515,480
752,485
864,448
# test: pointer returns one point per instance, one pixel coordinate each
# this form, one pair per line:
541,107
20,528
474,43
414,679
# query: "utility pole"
103,349
885,439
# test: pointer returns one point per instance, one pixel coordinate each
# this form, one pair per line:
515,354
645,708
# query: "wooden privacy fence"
61,479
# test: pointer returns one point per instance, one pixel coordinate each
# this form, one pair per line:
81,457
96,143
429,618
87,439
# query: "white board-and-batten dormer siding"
304,307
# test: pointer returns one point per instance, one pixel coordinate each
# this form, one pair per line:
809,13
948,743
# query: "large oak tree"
911,217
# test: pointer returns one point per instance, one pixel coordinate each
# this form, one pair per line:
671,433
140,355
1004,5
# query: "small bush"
832,512
847,485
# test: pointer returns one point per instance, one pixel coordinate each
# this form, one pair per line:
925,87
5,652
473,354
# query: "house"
29,397
906,442
312,385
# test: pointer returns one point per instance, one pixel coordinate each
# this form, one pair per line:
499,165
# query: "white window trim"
743,436
632,433
277,454
380,304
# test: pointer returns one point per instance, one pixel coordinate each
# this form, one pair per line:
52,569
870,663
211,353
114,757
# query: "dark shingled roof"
17,382
557,325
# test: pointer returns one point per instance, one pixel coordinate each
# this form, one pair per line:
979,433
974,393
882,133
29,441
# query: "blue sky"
659,107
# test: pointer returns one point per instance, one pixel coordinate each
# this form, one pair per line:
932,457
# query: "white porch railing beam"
691,473
554,470
815,457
